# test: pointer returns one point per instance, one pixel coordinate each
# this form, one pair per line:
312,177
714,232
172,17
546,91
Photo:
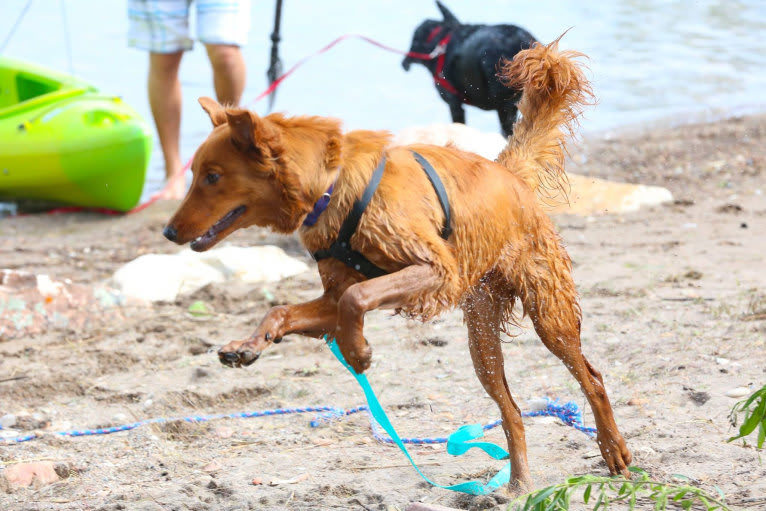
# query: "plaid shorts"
162,26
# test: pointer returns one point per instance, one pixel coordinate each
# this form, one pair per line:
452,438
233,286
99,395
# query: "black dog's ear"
449,18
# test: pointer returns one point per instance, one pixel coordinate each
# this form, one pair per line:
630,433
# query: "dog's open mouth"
202,243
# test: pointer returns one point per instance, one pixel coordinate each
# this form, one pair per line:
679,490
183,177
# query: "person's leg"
165,101
223,26
229,72
161,27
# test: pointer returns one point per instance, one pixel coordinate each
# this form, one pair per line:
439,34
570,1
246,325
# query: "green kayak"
63,141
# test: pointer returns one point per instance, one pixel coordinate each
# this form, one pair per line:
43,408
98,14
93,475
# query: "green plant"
602,491
754,408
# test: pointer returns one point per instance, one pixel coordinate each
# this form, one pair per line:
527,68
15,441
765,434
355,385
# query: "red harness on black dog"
439,78
440,54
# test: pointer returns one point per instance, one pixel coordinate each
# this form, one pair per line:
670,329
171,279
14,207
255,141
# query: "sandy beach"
674,316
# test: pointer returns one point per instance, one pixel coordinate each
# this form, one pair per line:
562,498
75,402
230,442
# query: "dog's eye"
212,178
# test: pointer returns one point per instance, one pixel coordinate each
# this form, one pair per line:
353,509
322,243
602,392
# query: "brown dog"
270,171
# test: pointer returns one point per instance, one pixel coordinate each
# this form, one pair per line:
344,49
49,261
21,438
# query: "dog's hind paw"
615,454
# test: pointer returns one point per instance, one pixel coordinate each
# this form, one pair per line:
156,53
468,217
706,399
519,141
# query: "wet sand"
673,299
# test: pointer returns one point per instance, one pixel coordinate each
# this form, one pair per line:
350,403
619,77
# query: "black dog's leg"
507,115
456,109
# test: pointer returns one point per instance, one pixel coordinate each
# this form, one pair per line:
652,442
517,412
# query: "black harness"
341,247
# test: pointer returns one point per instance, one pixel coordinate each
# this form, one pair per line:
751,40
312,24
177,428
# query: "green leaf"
542,495
199,308
751,421
586,495
761,434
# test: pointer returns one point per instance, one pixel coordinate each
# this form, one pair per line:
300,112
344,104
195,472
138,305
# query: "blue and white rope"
568,413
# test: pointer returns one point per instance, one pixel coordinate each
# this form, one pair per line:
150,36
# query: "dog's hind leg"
550,300
483,316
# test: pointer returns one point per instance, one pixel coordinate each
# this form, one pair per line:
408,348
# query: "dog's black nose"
170,232
406,63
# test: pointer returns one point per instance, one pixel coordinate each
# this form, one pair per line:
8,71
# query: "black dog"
463,61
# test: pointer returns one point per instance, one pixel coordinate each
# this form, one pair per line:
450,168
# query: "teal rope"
458,442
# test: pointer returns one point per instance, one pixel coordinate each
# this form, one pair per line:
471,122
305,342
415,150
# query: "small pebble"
8,420
213,466
738,392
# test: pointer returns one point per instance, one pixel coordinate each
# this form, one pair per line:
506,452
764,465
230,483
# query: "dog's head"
429,33
240,178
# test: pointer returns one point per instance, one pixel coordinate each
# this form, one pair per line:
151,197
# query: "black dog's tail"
555,91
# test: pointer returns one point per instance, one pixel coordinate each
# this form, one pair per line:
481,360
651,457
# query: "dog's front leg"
386,292
315,318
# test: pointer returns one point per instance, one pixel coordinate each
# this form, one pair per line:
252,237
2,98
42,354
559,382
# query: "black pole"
275,67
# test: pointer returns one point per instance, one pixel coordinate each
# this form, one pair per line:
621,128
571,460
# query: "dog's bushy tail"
554,92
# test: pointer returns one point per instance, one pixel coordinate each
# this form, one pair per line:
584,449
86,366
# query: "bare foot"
175,188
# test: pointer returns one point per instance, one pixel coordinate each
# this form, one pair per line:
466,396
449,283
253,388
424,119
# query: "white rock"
156,277
8,420
645,196
265,263
461,136
738,392
163,277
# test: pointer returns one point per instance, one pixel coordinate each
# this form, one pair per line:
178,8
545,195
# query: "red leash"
437,53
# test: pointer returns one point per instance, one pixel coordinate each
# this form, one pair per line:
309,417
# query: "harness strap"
440,192
440,53
341,249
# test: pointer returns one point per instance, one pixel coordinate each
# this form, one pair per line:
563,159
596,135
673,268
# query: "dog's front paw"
359,360
239,354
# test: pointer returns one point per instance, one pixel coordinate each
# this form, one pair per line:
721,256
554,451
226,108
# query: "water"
649,60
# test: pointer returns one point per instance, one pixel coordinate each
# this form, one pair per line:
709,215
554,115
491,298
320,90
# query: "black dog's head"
429,33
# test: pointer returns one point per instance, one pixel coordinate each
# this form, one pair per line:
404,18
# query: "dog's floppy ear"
250,132
449,18
214,110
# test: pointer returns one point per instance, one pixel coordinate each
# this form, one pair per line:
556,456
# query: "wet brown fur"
503,246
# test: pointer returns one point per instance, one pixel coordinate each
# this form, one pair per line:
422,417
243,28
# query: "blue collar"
319,207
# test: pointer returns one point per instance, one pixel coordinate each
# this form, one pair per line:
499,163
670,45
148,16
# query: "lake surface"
649,60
